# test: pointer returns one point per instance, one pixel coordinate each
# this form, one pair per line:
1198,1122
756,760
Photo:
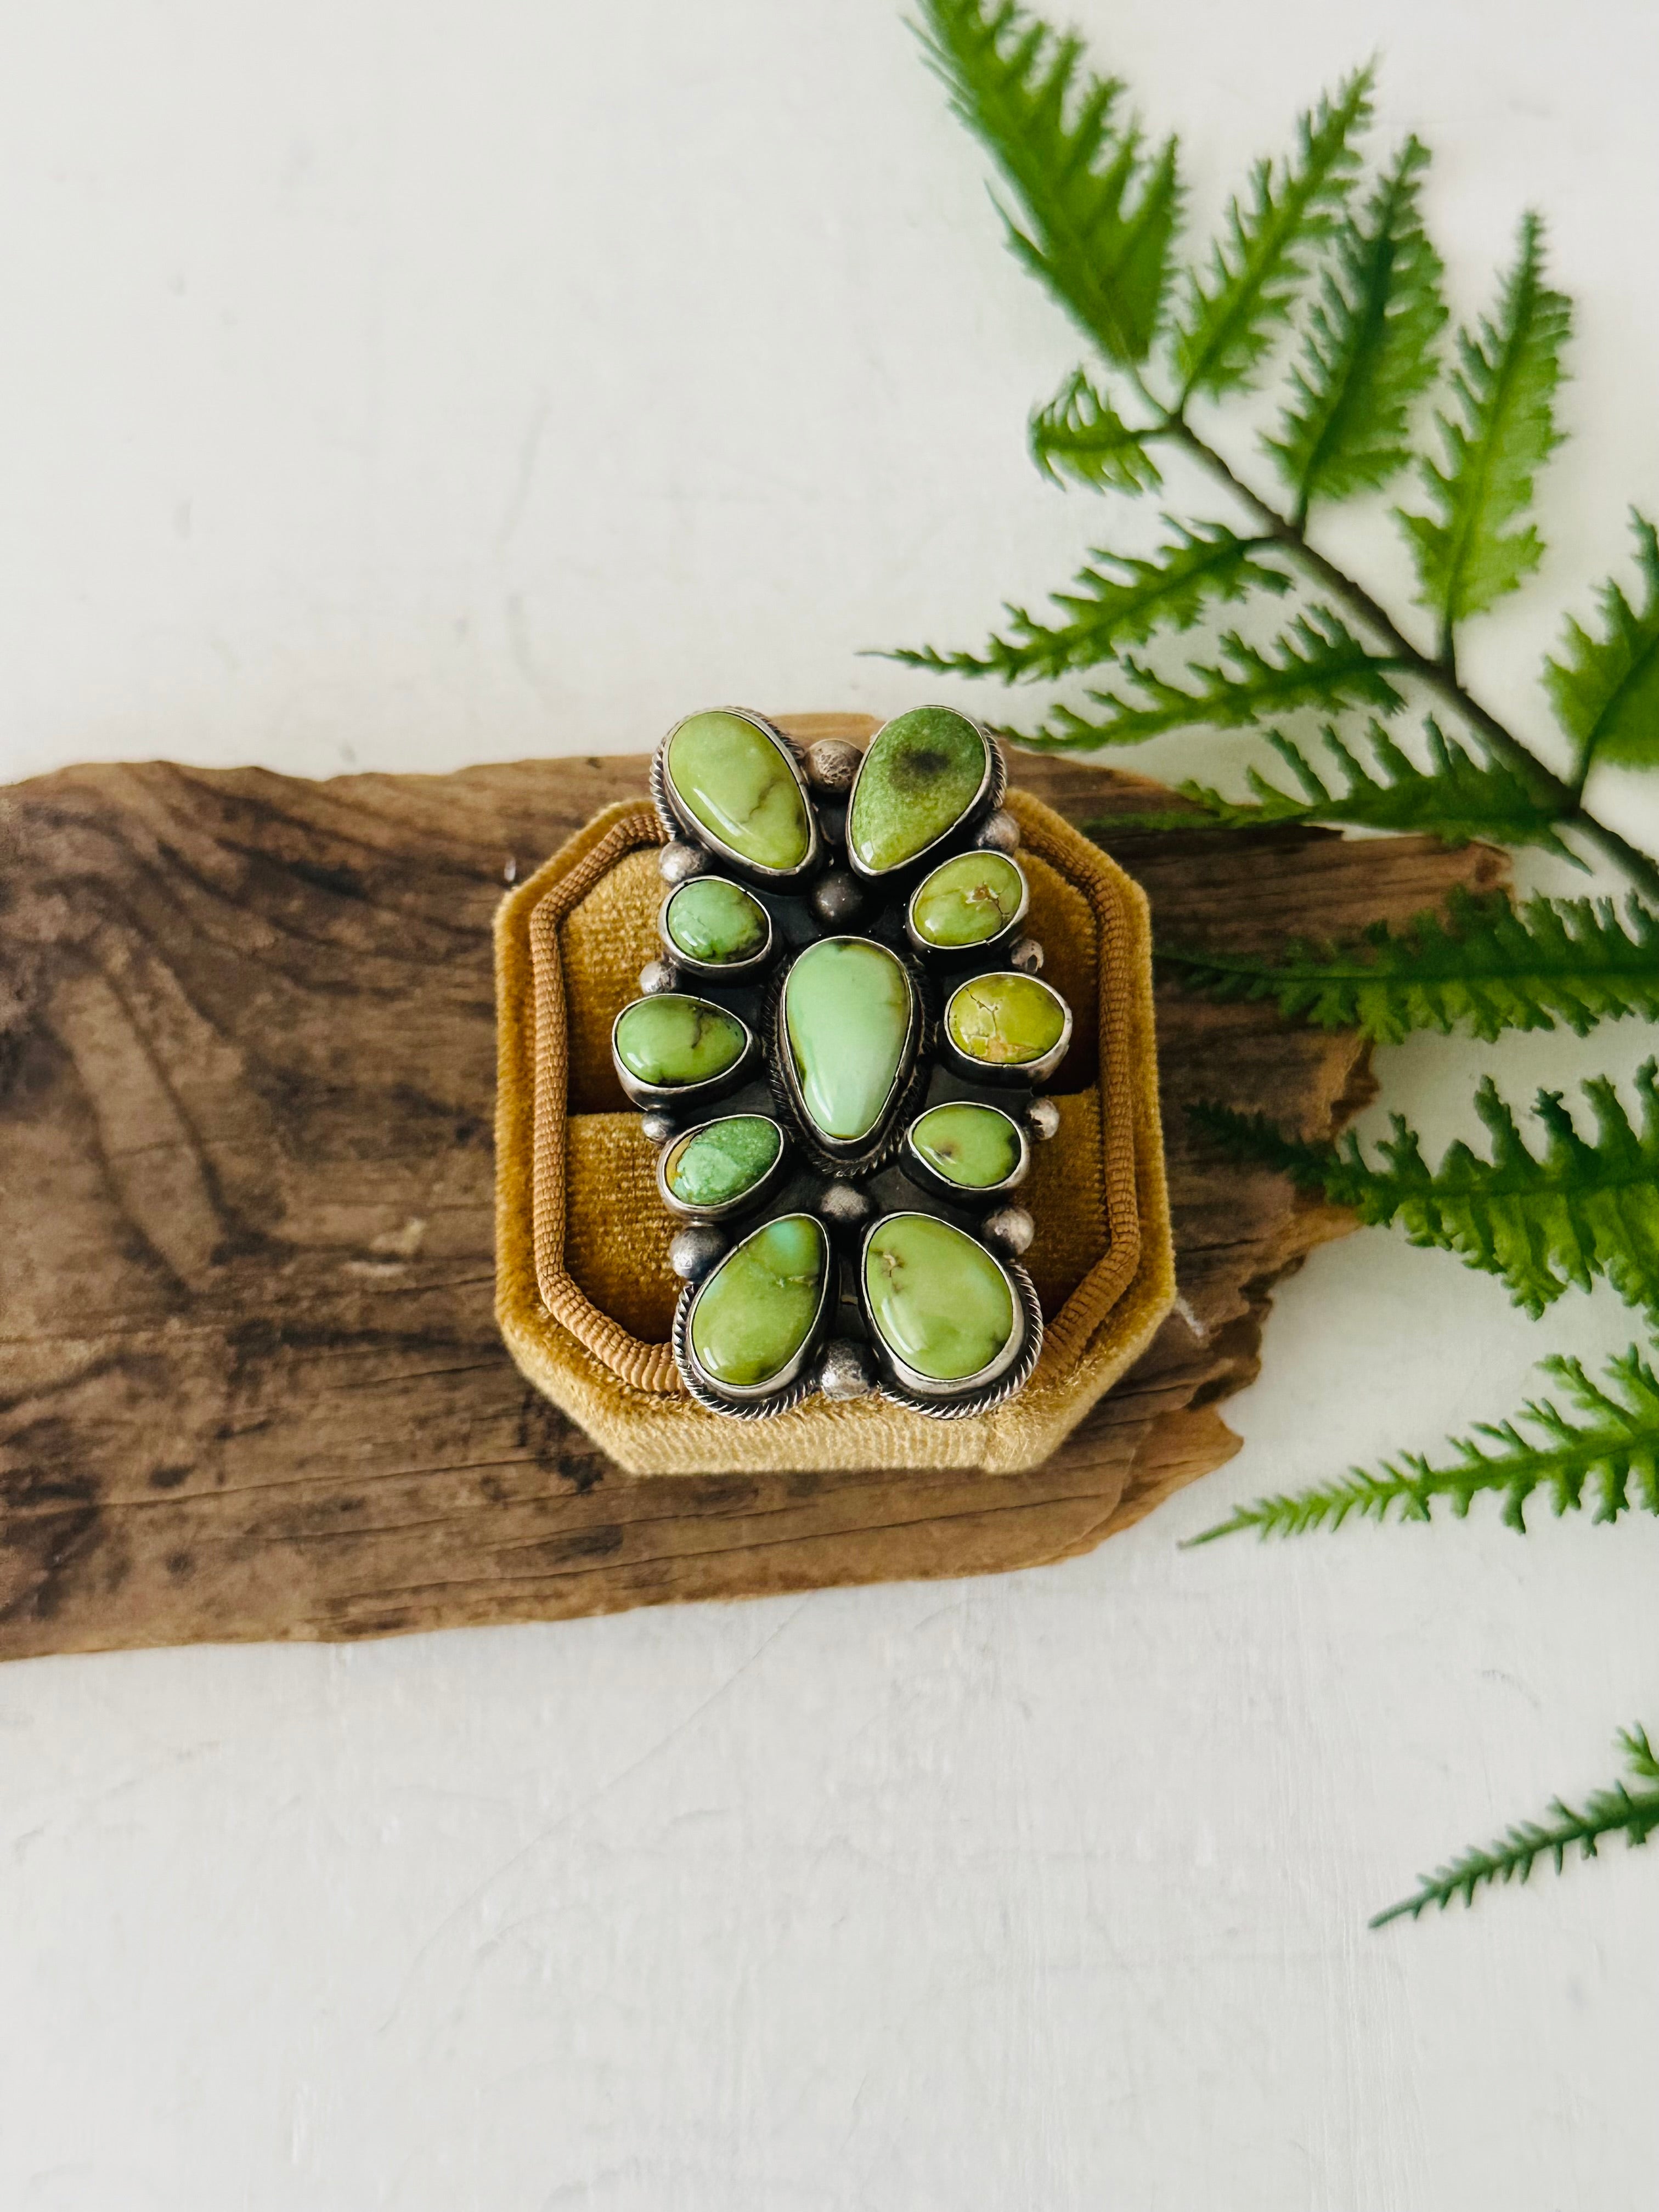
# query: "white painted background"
406,383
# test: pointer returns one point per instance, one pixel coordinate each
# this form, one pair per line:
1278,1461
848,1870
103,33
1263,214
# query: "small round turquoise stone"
938,1300
975,1146
757,1310
922,773
846,1013
1005,1020
732,778
715,1165
671,1039
713,920
967,900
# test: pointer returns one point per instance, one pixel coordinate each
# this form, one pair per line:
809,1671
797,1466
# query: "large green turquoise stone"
939,1301
1005,1020
967,900
712,920
975,1146
715,1165
918,778
732,778
757,1310
671,1039
847,1011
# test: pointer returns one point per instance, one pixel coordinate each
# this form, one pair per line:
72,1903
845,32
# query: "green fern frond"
1468,556
1100,210
1235,310
1541,1225
1492,969
1317,662
1079,433
1370,348
1606,690
1616,1810
1457,799
1612,1455
1121,601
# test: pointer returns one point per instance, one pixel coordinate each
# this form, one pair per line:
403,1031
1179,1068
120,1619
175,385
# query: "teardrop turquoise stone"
671,1039
718,1162
975,1146
939,1301
846,1013
922,773
757,1310
732,778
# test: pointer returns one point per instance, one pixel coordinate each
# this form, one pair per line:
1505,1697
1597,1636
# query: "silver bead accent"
656,977
1043,1118
844,1206
846,1369
1000,832
837,900
1010,1229
1026,954
658,1128
695,1252
676,862
831,764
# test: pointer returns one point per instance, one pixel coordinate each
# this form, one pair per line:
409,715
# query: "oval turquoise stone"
921,774
672,1039
1005,1020
757,1310
967,900
975,1146
732,778
713,920
938,1300
715,1165
846,1013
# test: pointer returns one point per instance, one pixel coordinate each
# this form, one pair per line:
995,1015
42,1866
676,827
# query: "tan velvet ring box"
585,1296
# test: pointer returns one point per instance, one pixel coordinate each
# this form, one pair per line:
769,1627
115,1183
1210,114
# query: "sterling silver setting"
681,826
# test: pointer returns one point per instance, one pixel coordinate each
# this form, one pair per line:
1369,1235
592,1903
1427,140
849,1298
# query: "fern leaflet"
1120,600
1079,433
1505,385
1616,1810
1237,309
1101,212
1606,690
1612,1453
1493,969
1317,662
1541,1225
1370,348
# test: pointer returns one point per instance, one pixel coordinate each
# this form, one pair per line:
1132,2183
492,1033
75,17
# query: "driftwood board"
250,1381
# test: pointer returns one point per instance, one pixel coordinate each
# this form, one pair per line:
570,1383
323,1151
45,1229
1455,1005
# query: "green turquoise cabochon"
967,900
922,773
734,779
975,1147
939,1301
714,922
757,1309
673,1040
848,1008
1005,1020
715,1165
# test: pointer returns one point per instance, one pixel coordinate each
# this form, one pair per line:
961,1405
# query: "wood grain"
250,1383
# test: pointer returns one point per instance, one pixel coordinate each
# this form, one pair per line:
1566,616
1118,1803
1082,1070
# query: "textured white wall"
402,385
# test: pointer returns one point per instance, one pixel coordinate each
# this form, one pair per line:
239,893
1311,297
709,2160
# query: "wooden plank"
250,1383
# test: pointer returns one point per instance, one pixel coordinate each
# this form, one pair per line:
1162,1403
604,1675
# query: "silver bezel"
682,825
760,1400
988,948
1006,1075
993,789
835,1154
756,1192
716,971
995,1383
675,1095
967,1195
